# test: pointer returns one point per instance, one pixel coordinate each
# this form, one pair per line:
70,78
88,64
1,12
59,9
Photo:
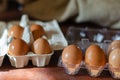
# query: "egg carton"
39,60
94,35
53,32
83,45
54,36
84,38
3,41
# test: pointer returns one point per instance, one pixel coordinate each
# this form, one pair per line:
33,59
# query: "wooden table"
50,72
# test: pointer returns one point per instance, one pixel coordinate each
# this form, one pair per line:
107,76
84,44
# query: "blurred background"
13,10
95,13
9,10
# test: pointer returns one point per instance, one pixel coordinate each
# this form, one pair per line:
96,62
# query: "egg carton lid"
94,35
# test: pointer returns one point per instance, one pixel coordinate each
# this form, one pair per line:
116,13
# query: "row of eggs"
18,47
95,59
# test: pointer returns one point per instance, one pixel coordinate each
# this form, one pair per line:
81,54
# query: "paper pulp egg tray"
54,36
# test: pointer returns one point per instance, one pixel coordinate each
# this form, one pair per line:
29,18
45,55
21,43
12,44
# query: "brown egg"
37,31
95,56
41,46
114,44
72,55
114,58
18,47
16,31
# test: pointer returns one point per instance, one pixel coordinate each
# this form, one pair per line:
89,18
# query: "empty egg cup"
94,71
115,72
71,69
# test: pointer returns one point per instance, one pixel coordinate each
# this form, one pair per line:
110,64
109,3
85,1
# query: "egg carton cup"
94,71
2,54
71,69
1,59
3,41
18,61
115,73
52,29
39,60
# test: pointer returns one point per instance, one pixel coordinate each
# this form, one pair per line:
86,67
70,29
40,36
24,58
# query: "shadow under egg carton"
75,34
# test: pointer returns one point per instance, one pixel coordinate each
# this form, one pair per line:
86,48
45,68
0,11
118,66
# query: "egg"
41,46
95,56
114,58
113,45
72,55
15,31
18,47
37,31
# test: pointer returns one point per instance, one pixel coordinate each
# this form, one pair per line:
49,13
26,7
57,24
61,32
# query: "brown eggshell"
72,55
95,56
114,44
37,31
41,46
114,58
15,31
18,47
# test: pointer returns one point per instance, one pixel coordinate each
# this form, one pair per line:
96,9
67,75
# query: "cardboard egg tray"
84,37
37,60
54,36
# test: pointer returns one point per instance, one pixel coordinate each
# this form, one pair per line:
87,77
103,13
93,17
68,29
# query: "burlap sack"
103,12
